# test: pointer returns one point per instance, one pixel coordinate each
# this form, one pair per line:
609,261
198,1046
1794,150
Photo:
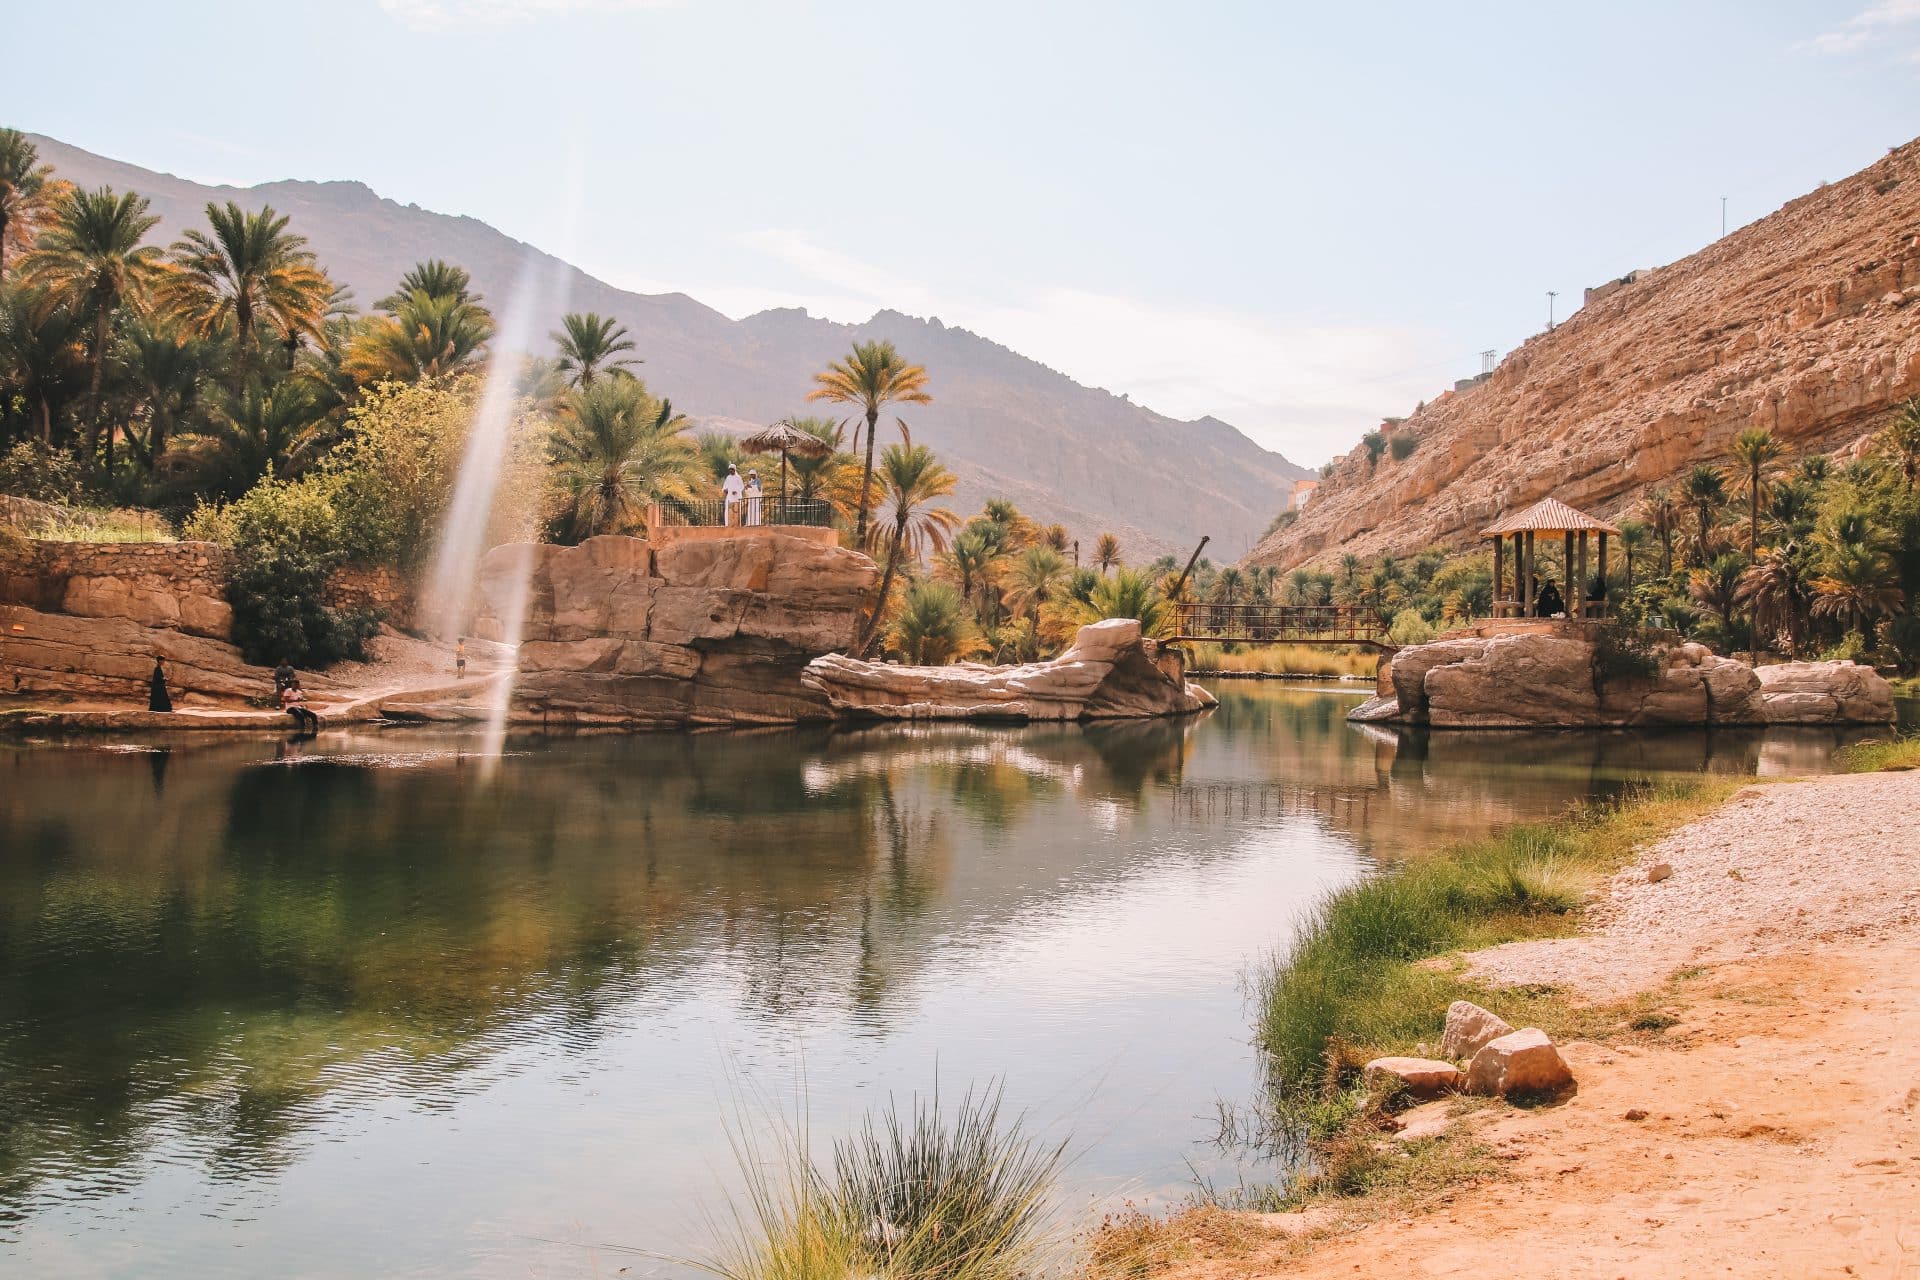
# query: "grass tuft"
1873,757
1283,660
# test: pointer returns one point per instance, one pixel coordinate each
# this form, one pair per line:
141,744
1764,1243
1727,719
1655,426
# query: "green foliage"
31,470
1624,653
933,627
287,539
1402,447
1375,444
1409,626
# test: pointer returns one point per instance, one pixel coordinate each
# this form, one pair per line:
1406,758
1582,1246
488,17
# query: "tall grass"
1353,982
1284,659
909,1196
1872,757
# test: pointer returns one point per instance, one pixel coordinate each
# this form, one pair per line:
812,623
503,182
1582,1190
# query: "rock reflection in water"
224,967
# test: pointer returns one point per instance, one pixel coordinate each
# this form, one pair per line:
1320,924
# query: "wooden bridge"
1330,624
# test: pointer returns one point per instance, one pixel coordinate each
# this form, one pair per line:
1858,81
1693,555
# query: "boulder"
1824,693
1518,1062
1422,1077
1469,1029
1109,672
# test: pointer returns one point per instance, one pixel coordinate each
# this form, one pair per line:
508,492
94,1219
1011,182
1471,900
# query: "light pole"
1723,217
1551,295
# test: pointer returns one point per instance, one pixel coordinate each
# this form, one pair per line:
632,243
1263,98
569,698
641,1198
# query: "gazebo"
1548,516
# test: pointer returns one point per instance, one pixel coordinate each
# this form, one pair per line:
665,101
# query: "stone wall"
379,589
177,586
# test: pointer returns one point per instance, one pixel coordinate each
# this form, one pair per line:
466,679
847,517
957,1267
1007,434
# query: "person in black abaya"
157,696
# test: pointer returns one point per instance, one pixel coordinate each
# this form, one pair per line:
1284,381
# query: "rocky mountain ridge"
1806,322
1007,425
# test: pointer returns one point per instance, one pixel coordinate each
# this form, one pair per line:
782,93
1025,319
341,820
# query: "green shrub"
31,470
1376,444
287,540
1624,653
1402,447
1852,648
1410,626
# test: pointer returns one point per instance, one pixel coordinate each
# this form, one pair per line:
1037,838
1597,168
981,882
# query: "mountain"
1007,425
1806,322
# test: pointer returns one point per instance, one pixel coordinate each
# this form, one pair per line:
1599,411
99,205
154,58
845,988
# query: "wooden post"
1499,570
1580,584
1566,572
1606,601
1527,612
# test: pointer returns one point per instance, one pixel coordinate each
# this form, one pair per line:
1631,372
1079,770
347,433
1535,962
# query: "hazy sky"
1296,217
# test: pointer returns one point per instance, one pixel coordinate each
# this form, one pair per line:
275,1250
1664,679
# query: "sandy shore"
1773,1130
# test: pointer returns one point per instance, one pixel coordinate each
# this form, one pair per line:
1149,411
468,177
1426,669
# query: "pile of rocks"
1480,1053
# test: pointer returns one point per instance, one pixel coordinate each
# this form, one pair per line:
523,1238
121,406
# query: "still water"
363,1007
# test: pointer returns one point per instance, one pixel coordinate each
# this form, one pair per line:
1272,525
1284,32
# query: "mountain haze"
1007,425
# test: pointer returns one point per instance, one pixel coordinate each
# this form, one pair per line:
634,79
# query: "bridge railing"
1258,623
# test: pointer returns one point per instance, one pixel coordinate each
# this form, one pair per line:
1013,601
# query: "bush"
1623,653
1900,636
286,540
31,470
1409,627
1376,444
1402,447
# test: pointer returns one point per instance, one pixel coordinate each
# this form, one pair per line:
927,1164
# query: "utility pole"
1551,295
1723,217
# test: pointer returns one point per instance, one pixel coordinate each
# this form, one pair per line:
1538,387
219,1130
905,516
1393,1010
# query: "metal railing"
748,513
1278,624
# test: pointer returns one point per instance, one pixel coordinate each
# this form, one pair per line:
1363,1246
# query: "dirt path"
1774,1131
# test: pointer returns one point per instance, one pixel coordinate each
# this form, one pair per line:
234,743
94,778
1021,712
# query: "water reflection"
230,971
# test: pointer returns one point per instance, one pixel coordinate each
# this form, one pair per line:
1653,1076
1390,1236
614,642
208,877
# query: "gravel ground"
1777,869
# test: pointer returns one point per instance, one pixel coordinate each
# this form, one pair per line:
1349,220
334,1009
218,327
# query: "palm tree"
1904,434
1789,509
1106,552
873,376
1752,452
1126,593
166,367
1227,584
262,428
429,336
436,279
250,271
933,629
1774,587
91,261
1634,535
1663,516
28,190
591,344
1716,587
1037,576
615,450
812,475
1855,586
43,351
911,479
1706,493
718,452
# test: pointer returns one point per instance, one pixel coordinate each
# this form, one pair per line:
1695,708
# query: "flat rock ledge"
1111,671
1556,675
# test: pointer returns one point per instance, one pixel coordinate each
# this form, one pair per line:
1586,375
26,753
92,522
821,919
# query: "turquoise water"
364,1006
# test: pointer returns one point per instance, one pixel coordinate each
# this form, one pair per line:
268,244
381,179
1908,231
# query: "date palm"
1904,434
972,562
428,336
91,261
1106,552
1753,451
1715,587
873,376
28,191
1706,493
436,279
1857,586
1036,576
1663,517
911,481
43,351
590,345
1776,589
1126,593
616,449
166,367
811,475
264,427
1634,535
933,628
246,271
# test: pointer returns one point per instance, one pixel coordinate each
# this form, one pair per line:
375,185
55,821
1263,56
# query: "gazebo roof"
1549,515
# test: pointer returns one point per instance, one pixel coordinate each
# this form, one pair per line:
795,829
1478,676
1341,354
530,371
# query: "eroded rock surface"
708,632
1110,672
1542,674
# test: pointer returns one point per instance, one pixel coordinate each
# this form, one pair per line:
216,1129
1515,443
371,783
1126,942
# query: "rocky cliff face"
1806,323
709,632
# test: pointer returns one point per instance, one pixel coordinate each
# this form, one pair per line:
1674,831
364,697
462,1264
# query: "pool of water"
373,1005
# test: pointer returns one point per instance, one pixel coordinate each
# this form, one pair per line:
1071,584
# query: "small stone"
1468,1028
1659,871
1423,1077
1523,1062
1634,1113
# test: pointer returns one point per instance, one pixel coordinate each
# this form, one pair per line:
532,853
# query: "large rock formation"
1110,672
175,586
699,632
1543,674
1806,322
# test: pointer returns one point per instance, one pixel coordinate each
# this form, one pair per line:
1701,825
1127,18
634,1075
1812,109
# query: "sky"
1298,218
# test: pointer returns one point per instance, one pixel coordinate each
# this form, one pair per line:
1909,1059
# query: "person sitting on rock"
1549,602
293,701
283,675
